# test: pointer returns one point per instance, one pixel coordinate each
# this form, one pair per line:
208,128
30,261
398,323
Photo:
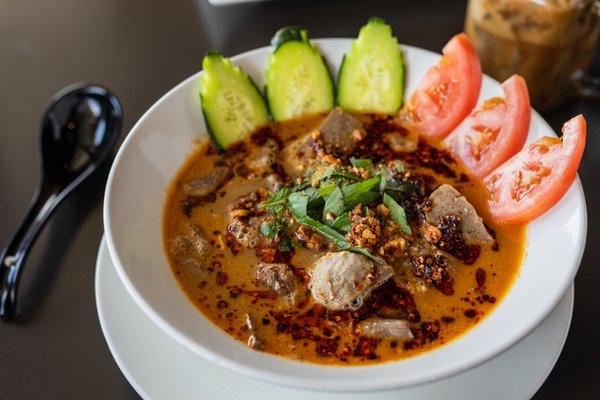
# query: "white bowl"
157,146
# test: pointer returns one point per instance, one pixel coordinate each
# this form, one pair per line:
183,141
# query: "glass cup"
551,43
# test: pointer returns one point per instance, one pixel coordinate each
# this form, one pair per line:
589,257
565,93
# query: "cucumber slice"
231,102
371,77
297,79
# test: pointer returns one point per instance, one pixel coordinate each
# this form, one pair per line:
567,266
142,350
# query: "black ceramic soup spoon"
78,133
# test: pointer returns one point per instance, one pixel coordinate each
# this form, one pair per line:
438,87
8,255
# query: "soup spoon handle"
14,255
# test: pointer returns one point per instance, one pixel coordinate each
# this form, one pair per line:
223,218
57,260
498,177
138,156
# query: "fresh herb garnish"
402,187
298,203
321,173
276,205
334,203
342,223
398,166
323,201
364,163
326,189
332,172
398,214
338,239
383,173
357,192
317,198
322,229
276,202
270,229
286,244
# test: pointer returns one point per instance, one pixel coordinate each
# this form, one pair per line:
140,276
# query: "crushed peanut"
430,232
358,134
367,234
365,231
393,249
362,172
220,242
383,210
239,213
391,228
310,239
328,158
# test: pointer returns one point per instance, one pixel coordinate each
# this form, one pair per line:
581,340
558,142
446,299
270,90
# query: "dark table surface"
140,49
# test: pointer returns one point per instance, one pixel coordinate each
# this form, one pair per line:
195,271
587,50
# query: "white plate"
156,148
158,367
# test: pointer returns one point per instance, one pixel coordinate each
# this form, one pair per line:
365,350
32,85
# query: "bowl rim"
282,378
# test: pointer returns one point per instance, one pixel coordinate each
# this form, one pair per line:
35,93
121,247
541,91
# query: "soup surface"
337,239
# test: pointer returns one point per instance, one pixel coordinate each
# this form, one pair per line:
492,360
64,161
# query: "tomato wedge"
495,131
448,91
536,178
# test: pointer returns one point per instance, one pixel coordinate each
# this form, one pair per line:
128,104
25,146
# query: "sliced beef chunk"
191,248
273,182
340,132
386,329
445,201
343,280
401,143
298,155
208,183
263,158
246,219
246,231
280,279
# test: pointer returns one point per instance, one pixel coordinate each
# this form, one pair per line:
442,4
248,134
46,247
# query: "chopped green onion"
397,213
